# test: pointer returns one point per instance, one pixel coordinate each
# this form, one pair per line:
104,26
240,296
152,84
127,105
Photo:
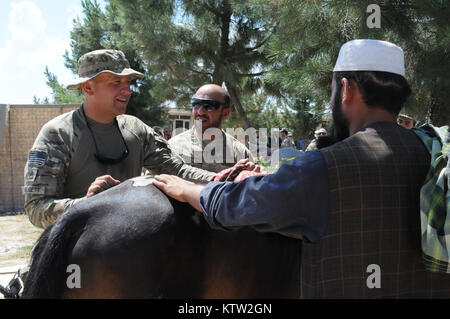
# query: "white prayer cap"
371,55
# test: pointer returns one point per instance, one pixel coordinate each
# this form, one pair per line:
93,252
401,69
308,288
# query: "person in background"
317,134
168,132
210,107
356,203
158,130
406,121
286,141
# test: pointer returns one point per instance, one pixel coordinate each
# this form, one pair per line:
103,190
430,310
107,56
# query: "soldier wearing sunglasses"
206,145
317,134
81,153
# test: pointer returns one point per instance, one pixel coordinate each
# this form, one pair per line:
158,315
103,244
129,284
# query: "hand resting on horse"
179,189
240,171
101,184
185,191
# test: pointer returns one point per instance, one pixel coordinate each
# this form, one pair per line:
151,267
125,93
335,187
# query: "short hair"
378,89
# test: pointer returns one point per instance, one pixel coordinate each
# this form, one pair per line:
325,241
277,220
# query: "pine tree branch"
251,74
172,71
214,10
200,72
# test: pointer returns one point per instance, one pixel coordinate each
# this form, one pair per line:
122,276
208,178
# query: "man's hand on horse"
179,189
101,184
250,166
240,171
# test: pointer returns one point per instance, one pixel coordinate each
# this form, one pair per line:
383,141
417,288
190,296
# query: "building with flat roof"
180,119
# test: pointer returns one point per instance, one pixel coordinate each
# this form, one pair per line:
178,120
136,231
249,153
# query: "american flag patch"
37,158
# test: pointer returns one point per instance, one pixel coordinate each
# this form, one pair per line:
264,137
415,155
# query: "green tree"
60,94
101,30
188,43
274,56
262,110
310,34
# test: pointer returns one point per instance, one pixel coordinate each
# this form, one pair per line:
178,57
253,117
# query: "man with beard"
355,203
321,132
81,153
206,145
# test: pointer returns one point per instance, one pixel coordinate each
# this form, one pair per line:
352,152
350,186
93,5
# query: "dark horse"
131,241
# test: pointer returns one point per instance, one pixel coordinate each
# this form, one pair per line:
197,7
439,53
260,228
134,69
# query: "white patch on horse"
142,181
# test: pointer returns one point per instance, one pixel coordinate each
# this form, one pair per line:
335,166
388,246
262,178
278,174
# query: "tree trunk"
237,104
431,111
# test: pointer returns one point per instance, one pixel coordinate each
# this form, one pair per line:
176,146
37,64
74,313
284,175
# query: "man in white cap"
317,134
355,203
84,152
406,121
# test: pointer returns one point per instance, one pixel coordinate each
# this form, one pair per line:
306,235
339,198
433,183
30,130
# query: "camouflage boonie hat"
95,62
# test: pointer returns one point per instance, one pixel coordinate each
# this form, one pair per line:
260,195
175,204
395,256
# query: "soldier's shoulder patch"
37,158
30,175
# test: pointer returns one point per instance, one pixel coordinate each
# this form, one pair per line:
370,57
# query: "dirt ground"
17,237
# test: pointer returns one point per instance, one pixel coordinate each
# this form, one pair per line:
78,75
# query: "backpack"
435,199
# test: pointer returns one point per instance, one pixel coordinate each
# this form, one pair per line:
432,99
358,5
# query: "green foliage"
192,42
310,34
102,30
60,94
274,56
262,111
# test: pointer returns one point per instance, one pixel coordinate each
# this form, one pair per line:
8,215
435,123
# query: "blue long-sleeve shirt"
294,201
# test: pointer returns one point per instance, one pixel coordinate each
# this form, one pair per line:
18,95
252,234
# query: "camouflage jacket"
203,154
287,142
61,164
312,146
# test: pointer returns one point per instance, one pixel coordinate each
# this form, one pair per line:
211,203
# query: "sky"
34,34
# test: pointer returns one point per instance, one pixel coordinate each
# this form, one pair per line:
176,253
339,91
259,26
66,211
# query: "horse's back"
134,245
133,242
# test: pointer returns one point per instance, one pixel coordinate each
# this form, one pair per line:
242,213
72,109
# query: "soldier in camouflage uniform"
83,152
286,139
211,106
313,145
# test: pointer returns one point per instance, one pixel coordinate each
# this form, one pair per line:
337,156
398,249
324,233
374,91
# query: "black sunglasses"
209,105
103,159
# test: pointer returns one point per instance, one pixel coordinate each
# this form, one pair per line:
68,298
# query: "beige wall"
23,125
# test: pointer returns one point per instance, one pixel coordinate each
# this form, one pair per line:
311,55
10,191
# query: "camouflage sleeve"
44,179
312,146
160,159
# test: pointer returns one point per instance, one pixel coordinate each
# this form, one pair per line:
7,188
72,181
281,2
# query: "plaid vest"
372,245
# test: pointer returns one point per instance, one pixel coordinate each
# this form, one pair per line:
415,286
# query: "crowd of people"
353,204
